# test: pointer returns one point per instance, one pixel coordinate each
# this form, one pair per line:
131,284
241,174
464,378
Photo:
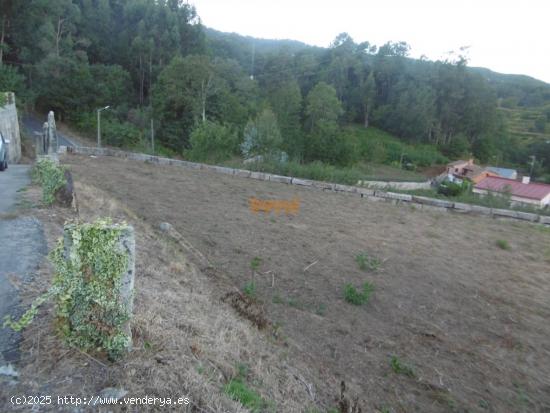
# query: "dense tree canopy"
153,60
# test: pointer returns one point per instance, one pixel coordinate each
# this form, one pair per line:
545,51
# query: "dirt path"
468,317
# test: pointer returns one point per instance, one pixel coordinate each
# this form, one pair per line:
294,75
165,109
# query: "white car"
3,153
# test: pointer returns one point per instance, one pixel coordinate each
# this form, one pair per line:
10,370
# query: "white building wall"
517,199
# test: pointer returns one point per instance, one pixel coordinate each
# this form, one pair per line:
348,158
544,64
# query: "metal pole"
99,128
152,136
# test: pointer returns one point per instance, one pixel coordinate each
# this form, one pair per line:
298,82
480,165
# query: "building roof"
516,188
471,171
504,172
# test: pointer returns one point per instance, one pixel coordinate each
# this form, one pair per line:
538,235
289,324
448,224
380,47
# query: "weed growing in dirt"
503,244
356,297
367,262
250,289
321,309
484,404
255,263
238,390
399,367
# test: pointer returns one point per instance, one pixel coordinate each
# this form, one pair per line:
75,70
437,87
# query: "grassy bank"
320,171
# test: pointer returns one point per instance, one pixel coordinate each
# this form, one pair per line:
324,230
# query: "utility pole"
99,124
253,57
532,166
152,136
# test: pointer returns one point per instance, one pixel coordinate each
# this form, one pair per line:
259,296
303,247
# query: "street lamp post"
99,124
533,158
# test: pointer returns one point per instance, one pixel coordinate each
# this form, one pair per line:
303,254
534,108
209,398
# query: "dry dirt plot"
455,323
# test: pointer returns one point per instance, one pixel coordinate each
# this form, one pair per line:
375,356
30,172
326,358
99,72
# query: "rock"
64,196
165,226
9,371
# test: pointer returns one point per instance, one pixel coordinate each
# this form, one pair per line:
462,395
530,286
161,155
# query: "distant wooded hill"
217,95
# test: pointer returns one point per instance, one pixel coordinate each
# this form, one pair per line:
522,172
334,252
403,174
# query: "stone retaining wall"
389,185
418,201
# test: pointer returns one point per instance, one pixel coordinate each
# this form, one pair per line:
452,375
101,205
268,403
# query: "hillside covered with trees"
213,95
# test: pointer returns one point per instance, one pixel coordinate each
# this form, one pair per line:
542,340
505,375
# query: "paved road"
11,180
34,124
22,248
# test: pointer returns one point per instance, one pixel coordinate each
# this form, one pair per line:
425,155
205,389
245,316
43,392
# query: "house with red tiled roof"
467,170
522,192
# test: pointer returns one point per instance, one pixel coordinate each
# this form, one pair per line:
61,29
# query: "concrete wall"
419,202
9,126
516,200
404,186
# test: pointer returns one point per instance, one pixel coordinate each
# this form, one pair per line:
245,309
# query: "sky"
505,36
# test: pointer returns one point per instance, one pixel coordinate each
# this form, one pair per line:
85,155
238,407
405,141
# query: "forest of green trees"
214,96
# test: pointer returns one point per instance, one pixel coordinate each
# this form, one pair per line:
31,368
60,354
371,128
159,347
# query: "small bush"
503,244
238,390
314,170
50,176
399,367
250,289
367,262
255,263
356,297
448,188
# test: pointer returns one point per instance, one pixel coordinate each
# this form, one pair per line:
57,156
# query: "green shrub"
356,297
262,136
448,188
212,142
255,263
318,171
250,289
367,262
238,390
50,176
503,244
114,132
399,367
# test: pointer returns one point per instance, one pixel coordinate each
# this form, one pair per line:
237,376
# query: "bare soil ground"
469,319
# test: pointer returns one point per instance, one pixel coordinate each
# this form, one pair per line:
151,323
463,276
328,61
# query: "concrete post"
52,133
45,138
127,244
